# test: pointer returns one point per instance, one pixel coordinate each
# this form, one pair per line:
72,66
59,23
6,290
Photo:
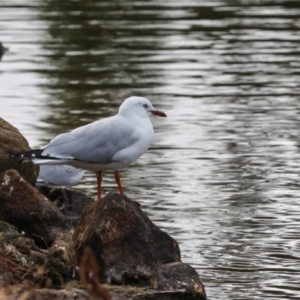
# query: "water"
222,176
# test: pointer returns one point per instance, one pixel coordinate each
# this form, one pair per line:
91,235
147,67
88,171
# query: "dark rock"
126,244
71,202
178,276
11,140
24,207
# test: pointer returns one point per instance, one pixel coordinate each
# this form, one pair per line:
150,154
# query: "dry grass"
12,264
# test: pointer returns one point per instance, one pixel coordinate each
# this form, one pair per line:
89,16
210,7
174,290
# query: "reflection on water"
222,175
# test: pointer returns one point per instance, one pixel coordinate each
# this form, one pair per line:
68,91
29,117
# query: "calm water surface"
222,176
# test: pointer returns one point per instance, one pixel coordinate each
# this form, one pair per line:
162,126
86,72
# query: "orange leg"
118,180
99,180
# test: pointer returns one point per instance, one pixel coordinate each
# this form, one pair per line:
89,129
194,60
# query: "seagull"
108,144
59,175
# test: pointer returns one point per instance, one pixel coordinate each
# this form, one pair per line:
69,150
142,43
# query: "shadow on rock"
70,202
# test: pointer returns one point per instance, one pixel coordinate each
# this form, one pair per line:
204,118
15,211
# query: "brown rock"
178,276
11,140
126,244
60,264
24,207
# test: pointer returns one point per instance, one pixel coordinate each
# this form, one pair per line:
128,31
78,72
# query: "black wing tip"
28,154
31,154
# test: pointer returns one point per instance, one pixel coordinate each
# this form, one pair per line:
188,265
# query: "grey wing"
97,142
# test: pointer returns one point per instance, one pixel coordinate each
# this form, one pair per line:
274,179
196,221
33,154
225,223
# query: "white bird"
61,175
108,144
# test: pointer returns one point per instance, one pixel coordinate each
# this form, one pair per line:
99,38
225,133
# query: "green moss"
73,284
7,225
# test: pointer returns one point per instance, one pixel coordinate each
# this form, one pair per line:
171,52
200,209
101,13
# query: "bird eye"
145,105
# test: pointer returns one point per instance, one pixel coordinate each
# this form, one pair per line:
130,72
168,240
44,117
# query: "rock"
89,270
125,247
26,293
71,202
11,140
126,244
24,207
178,276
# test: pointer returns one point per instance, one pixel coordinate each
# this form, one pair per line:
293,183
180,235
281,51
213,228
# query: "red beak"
158,113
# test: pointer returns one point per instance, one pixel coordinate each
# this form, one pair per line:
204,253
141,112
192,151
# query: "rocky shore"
57,243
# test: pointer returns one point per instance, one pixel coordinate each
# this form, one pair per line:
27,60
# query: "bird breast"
144,137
